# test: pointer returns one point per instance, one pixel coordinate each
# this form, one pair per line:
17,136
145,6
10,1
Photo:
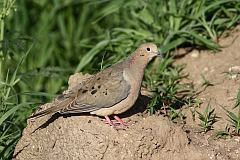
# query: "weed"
163,79
206,82
207,118
237,104
175,114
151,106
234,119
221,133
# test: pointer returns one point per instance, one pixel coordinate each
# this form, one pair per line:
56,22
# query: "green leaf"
11,112
237,104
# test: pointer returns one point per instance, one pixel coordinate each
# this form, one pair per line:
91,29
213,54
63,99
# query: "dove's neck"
137,63
135,70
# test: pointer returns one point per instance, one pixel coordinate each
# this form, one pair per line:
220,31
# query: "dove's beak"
159,54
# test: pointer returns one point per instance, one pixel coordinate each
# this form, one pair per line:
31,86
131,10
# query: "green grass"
206,83
234,117
224,134
234,120
43,42
163,80
207,118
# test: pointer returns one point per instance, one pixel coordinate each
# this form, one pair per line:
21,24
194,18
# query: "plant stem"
2,15
7,6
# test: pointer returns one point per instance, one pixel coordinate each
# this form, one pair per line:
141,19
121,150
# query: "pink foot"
115,123
119,120
111,123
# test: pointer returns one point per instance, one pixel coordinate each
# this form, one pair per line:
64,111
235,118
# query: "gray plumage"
111,91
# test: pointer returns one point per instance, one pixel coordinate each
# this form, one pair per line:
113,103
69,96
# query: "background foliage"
43,42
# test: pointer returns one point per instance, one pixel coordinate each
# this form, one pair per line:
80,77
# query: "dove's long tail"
55,108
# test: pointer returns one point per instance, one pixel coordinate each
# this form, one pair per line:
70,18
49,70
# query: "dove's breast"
126,103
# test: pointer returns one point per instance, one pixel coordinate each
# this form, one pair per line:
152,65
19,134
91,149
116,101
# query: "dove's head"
148,51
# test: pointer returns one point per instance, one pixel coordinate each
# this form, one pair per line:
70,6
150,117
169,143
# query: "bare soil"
148,137
222,70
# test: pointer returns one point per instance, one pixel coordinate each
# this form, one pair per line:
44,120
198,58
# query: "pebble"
195,53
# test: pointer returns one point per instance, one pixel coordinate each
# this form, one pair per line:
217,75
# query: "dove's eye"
148,49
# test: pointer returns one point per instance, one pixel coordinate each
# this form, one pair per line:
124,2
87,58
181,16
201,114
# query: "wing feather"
103,90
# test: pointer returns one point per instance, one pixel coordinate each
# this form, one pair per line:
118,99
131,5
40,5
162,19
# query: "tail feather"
58,107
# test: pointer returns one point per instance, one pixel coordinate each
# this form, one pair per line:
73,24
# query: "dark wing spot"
84,91
105,93
98,78
92,87
141,54
99,86
94,91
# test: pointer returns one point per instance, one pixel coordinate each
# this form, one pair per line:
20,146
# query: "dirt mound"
88,137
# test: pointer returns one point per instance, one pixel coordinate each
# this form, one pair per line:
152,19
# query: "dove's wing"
104,90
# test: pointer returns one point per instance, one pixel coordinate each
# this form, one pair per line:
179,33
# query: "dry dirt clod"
234,70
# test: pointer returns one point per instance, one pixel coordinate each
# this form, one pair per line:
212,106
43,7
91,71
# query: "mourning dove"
111,91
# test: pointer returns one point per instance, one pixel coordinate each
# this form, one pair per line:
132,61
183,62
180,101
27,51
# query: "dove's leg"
108,121
120,120
115,123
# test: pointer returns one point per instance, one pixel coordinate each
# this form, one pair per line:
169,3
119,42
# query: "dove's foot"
119,120
110,122
115,123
